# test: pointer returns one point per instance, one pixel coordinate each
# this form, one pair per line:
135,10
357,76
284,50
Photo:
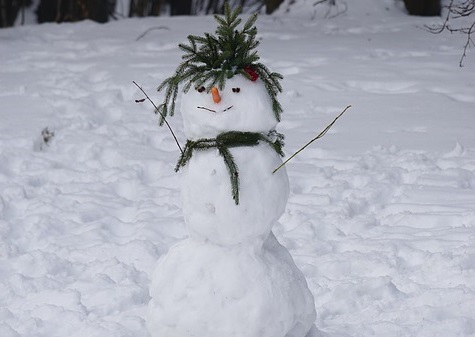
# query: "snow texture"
209,209
249,110
381,211
241,290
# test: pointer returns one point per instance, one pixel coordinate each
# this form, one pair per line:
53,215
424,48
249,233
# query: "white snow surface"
381,211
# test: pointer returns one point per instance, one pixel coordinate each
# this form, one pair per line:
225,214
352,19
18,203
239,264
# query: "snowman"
231,277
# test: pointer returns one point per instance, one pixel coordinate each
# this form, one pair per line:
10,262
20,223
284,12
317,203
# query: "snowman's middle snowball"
209,209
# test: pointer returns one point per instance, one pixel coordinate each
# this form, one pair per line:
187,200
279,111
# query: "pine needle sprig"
271,82
225,141
210,60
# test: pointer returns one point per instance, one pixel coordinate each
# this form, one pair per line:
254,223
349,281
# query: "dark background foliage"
11,11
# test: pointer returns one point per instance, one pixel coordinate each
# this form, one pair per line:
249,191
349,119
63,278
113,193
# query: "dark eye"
201,89
236,90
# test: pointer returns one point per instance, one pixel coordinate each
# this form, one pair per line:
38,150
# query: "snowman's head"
241,105
217,64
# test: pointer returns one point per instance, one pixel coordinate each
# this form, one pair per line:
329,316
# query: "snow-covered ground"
381,215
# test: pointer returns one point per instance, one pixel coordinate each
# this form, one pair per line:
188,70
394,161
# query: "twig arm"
156,111
320,135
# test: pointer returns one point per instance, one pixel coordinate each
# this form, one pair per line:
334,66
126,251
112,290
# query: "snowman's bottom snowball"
200,289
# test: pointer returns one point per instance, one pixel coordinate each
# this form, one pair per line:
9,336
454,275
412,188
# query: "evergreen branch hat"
210,60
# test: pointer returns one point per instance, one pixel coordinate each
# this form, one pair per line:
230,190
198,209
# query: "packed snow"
381,212
231,272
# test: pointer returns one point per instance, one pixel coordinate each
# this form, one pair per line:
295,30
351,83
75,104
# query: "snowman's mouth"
211,110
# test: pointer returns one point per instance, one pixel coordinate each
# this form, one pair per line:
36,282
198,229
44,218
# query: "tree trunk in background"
73,10
47,11
5,13
214,7
138,8
180,7
8,11
145,7
97,10
155,8
272,5
423,7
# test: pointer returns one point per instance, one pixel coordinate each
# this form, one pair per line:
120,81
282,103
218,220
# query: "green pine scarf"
226,140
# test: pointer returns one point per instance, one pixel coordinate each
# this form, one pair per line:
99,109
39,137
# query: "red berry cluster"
253,76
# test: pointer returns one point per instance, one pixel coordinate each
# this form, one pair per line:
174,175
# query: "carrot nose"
215,94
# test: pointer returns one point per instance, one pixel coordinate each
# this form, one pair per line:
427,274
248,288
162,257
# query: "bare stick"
205,108
457,10
156,109
469,42
320,135
149,30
